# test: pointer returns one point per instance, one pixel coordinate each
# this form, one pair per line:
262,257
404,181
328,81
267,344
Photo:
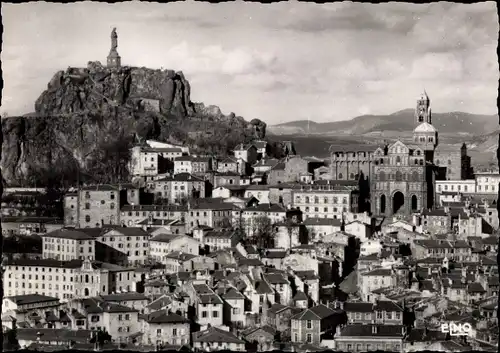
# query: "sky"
275,62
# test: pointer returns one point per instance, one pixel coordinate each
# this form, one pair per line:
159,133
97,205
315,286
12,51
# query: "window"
309,338
87,218
309,324
340,176
215,314
174,332
87,206
204,314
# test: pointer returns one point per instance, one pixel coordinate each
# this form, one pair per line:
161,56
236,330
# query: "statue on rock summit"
114,60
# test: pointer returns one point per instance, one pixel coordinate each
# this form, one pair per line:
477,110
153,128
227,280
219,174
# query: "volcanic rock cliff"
88,118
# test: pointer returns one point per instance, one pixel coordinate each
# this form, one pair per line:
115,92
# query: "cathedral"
401,175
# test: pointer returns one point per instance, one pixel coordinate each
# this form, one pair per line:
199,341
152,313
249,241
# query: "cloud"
437,66
350,16
456,27
361,70
241,66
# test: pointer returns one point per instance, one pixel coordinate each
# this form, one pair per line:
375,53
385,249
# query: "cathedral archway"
414,203
382,204
398,200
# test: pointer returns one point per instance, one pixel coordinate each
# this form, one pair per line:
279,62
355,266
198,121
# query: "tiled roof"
129,296
378,272
315,313
164,238
358,307
45,263
262,287
276,308
166,317
53,335
279,254
158,208
31,299
233,294
475,287
65,233
300,296
275,278
213,334
185,177
323,222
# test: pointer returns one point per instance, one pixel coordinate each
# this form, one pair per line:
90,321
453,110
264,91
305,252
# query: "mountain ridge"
403,120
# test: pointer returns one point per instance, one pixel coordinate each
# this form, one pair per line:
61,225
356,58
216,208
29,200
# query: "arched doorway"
414,203
382,204
398,200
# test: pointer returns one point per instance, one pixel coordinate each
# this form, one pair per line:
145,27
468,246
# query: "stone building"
289,171
348,162
403,174
96,205
455,162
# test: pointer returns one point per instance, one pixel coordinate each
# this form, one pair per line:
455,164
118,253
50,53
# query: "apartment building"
180,187
131,215
330,203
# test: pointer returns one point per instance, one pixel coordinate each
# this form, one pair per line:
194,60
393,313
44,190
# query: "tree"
100,337
10,342
262,232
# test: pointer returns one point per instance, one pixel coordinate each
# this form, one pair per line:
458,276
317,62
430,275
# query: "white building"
487,182
462,186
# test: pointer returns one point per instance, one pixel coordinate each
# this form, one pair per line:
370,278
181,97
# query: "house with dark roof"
25,302
179,187
260,338
279,317
213,213
309,325
228,164
435,221
164,327
418,339
234,307
246,152
375,279
384,312
372,337
274,257
208,304
216,339
281,286
53,337
118,320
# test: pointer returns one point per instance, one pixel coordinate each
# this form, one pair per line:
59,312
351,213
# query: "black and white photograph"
240,176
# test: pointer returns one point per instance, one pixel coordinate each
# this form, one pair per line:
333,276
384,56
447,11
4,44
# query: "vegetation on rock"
88,118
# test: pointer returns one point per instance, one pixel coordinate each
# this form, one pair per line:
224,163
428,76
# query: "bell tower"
423,110
425,134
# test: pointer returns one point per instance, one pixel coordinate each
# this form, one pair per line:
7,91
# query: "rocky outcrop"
86,114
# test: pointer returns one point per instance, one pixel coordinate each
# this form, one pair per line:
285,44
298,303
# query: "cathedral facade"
403,174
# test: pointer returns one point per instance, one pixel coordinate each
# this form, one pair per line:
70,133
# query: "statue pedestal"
114,60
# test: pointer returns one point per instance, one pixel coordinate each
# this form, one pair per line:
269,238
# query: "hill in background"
402,121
